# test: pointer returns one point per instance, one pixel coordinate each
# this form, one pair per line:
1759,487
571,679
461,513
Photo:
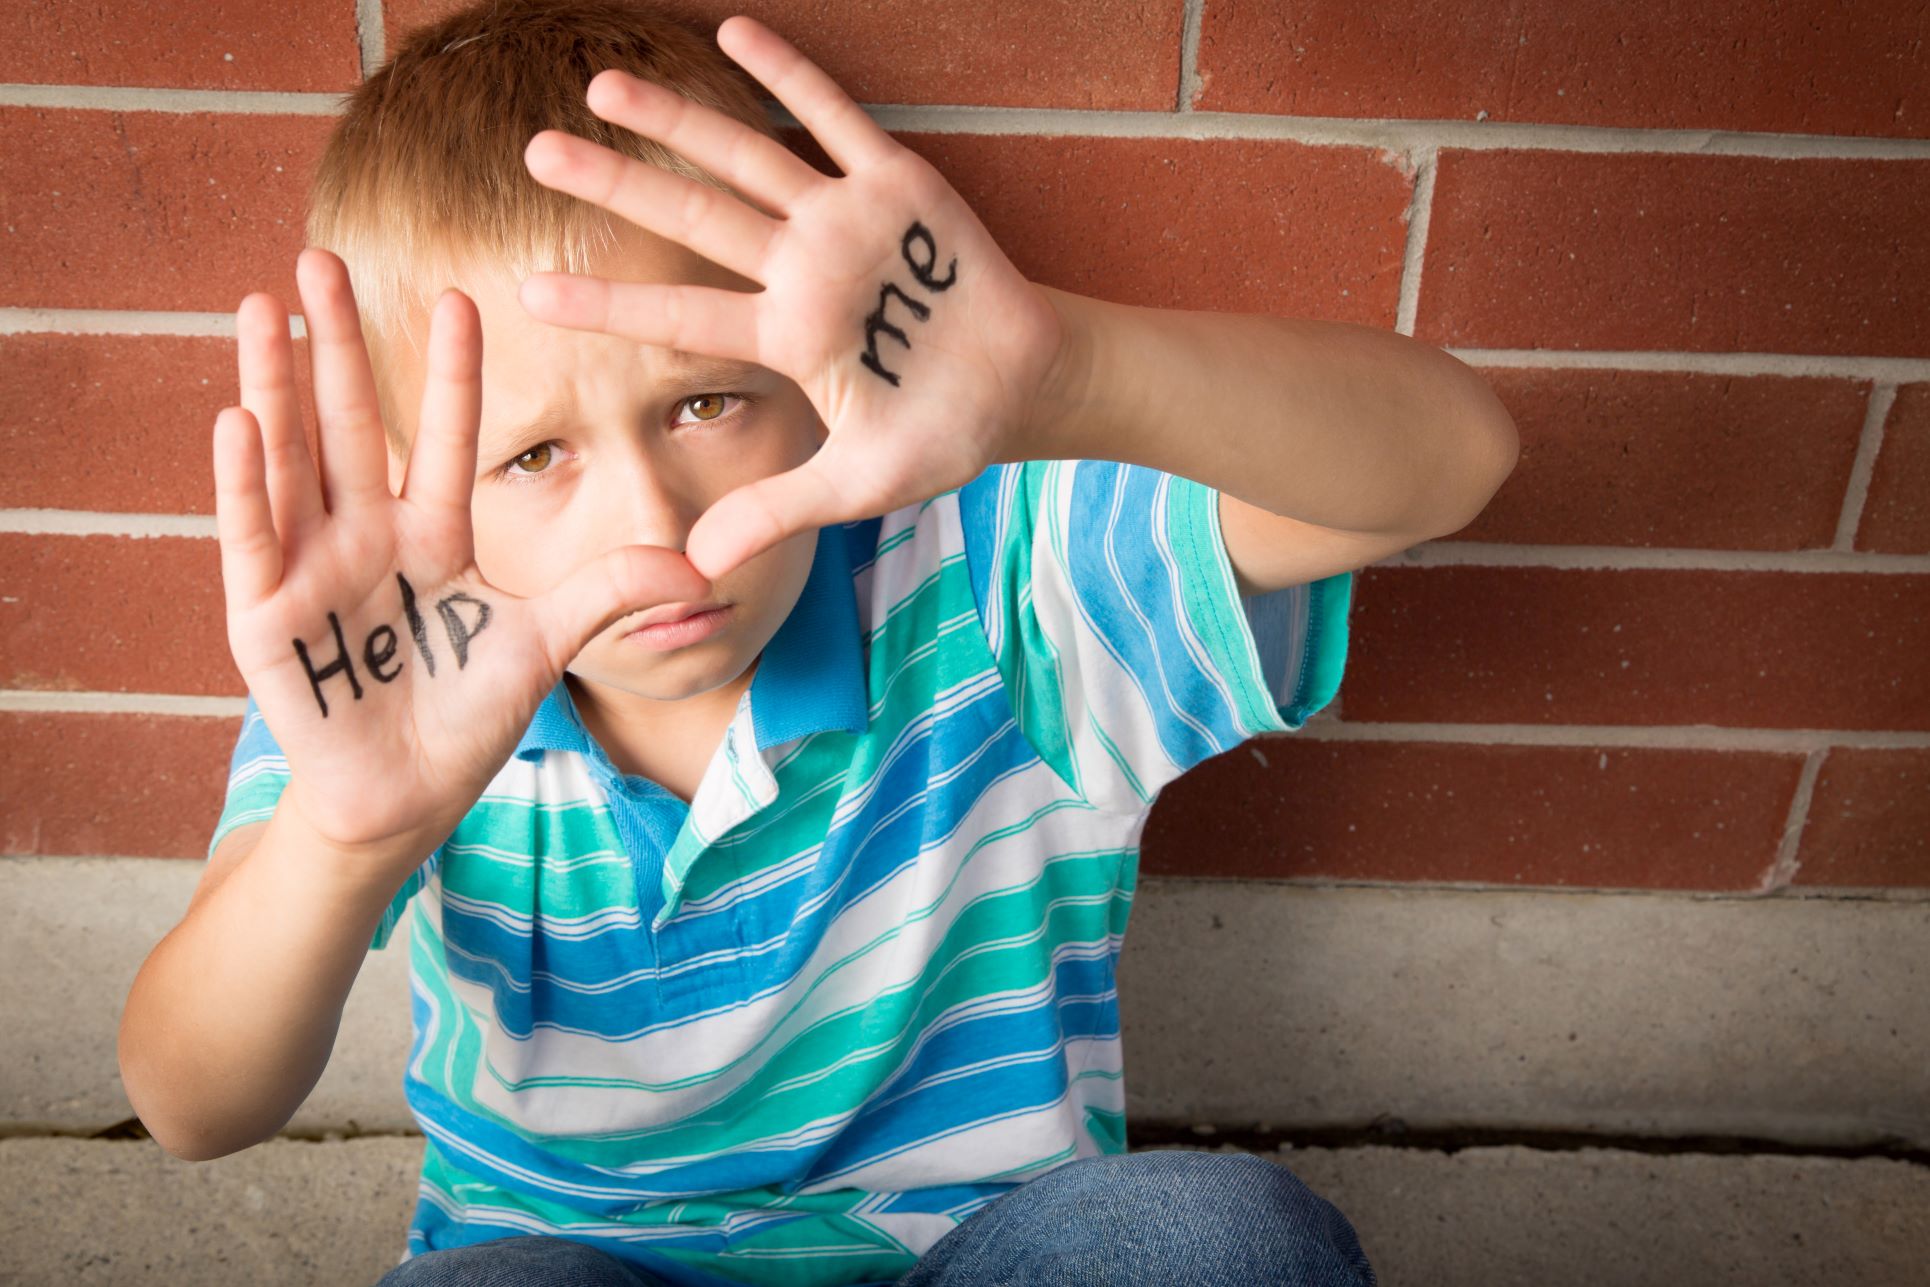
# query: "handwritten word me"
923,272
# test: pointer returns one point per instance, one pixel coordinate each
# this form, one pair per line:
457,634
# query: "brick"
1896,512
80,782
1288,229
114,614
1559,816
1807,67
1674,459
1641,646
1722,254
119,423
291,46
1115,55
1869,819
152,210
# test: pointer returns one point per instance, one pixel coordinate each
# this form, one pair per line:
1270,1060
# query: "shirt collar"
810,678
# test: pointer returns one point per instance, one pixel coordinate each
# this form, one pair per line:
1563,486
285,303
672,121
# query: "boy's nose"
653,518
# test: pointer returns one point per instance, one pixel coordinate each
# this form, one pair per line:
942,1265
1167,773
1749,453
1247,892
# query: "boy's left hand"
888,247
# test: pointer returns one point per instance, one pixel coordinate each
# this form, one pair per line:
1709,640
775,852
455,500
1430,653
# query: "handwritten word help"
379,648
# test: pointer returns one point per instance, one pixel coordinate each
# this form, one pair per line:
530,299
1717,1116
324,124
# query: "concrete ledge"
336,1214
73,933
1803,1020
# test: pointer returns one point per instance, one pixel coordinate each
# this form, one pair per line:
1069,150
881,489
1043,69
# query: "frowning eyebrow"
705,367
695,372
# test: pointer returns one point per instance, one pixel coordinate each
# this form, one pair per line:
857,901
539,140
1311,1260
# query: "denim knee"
1178,1218
535,1260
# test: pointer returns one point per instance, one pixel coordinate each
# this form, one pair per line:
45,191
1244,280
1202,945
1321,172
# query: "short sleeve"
1111,609
257,774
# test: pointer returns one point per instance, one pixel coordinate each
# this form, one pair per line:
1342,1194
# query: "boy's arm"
232,1017
1332,444
387,728
928,355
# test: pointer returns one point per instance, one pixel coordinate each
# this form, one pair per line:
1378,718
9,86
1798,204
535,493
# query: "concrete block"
1517,1217
335,1214
1803,1020
73,934
290,1212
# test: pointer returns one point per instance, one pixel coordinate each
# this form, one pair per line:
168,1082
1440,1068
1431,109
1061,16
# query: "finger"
848,136
251,552
441,473
714,224
695,319
623,581
742,524
265,356
353,446
750,161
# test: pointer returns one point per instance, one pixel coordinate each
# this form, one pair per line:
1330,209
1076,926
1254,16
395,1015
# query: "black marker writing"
459,634
373,655
875,321
415,624
315,677
923,271
380,646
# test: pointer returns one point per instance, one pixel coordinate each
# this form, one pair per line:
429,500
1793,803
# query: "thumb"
628,579
742,524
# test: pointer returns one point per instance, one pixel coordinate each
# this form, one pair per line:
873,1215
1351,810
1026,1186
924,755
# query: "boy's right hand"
449,668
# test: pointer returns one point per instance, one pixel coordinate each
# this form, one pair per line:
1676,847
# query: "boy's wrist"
359,879
1061,409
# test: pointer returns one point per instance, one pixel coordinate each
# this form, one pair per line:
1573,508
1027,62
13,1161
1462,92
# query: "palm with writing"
923,350
395,678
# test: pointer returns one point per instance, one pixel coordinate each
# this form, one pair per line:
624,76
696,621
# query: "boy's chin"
669,676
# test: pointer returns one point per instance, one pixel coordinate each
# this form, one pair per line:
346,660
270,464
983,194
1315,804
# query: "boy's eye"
537,456
709,406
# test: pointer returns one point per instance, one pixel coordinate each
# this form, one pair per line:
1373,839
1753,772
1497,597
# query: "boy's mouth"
676,625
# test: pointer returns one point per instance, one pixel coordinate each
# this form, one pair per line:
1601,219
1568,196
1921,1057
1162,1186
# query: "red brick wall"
1687,646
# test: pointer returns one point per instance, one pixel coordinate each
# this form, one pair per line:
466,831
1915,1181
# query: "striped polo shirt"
863,983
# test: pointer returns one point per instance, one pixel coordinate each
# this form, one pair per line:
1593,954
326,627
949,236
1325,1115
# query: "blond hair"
423,176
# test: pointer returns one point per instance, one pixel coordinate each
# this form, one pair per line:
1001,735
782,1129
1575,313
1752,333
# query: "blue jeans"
1171,1218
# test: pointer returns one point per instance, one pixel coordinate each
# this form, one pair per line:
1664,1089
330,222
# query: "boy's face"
590,442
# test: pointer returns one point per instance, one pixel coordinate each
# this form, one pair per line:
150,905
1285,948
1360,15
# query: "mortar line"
371,35
1908,898
1869,445
1789,847
1656,737
1423,164
1191,15
1387,135
1493,554
1648,737
1629,558
1316,131
1872,368
1889,895
110,321
221,102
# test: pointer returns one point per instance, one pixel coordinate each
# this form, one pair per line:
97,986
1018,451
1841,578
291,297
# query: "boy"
765,785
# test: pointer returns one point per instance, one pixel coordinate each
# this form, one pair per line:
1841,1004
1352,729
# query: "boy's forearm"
1347,426
232,1017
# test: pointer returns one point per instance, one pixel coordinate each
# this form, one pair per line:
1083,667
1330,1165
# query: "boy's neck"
669,742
